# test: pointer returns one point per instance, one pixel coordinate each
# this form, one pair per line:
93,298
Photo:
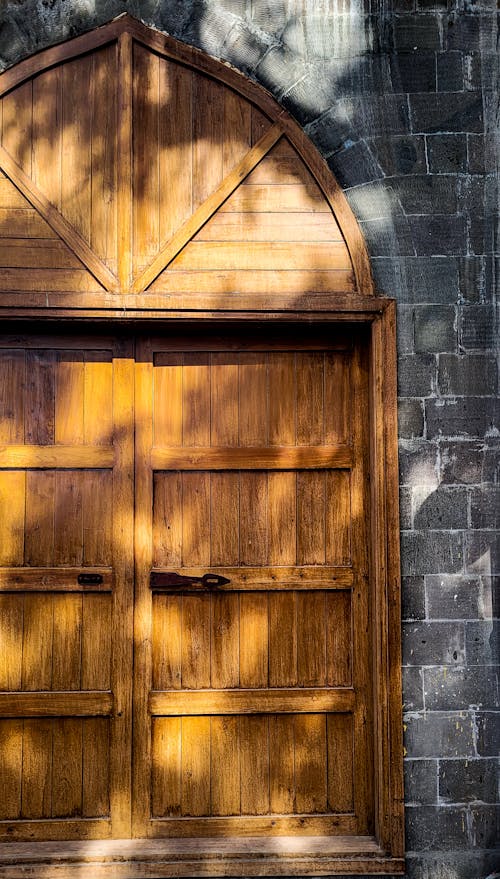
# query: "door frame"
329,855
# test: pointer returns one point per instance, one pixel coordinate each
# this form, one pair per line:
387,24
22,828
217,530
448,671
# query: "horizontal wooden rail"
67,703
252,458
64,457
245,579
172,703
53,580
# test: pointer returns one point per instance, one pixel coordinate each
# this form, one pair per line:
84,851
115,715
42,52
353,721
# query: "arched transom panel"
132,164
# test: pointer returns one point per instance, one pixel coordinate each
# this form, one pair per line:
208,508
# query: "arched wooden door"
194,582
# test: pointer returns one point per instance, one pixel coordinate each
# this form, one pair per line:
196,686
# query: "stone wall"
400,99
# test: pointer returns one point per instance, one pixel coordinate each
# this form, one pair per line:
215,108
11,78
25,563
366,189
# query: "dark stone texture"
467,376
427,193
355,164
435,328
404,329
444,508
476,278
463,462
452,865
419,463
462,416
431,552
469,33
450,71
482,552
478,327
433,643
399,155
410,418
420,279
446,112
488,733
417,375
384,237
440,734
405,516
412,33
413,689
438,235
413,598
413,73
482,642
421,783
485,507
457,597
455,689
430,828
464,781
447,153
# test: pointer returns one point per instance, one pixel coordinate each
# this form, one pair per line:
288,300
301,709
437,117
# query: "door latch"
160,580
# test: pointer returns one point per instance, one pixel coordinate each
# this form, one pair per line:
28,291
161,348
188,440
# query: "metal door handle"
165,580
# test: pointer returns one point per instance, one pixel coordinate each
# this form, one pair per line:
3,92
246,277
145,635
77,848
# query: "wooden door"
252,696
66,567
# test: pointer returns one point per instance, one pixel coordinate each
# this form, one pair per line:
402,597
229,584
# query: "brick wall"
400,99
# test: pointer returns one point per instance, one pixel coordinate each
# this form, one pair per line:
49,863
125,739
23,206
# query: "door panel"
252,710
61,587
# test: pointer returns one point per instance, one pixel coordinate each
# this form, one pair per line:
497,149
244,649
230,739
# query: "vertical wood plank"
12,516
17,129
254,639
40,397
253,416
104,167
167,642
69,397
40,512
36,794
282,399
167,402
237,136
11,640
195,641
311,639
225,766
225,640
224,399
167,519
68,549
338,639
224,518
196,399
253,518
95,768
146,152
282,763
338,517
76,188
254,761
310,762
311,518
196,518
282,494
125,165
67,767
340,762
12,372
166,767
96,642
260,124
207,137
11,757
98,398
310,404
67,642
282,639
47,131
337,398
37,642
195,794
97,523
175,156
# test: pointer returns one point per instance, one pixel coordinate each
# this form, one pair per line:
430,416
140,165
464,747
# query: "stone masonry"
400,98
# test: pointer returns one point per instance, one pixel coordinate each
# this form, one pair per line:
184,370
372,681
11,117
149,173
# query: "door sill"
238,856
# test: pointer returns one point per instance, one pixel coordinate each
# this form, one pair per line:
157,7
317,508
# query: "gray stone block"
454,689
477,279
439,734
435,643
405,514
435,328
404,328
355,165
482,642
488,733
450,71
420,782
463,462
466,781
423,279
419,463
413,598
482,552
452,865
462,416
446,112
400,154
478,327
245,48
374,200
416,32
467,375
434,235
457,597
427,193
389,236
413,71
485,507
447,153
442,509
455,828
279,69
417,375
471,33
332,132
476,154
431,552
410,418
413,689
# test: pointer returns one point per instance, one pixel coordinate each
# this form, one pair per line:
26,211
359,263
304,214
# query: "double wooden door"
185,619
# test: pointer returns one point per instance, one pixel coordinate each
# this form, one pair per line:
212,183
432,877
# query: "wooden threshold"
240,856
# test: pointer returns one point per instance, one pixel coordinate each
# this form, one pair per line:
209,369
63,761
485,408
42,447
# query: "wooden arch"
135,165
